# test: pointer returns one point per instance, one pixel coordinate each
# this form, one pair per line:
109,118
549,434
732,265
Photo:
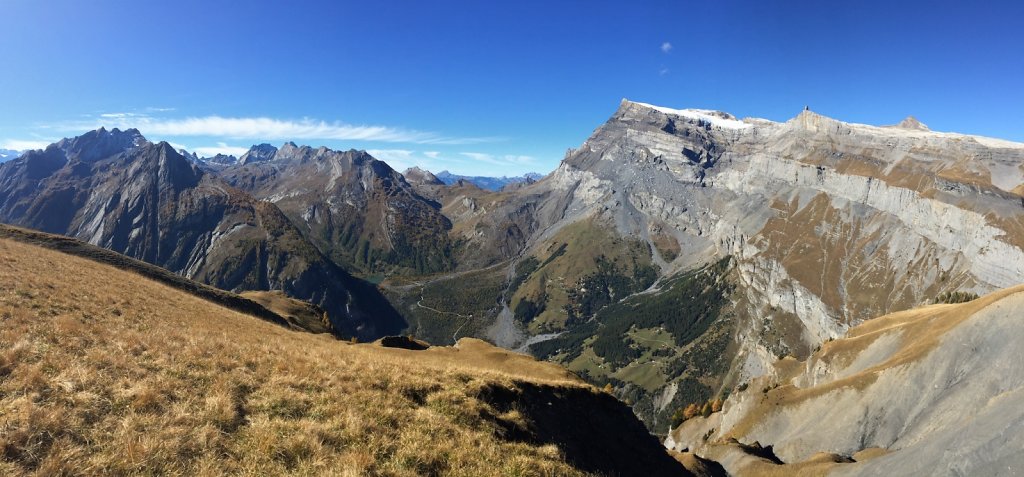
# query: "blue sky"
492,87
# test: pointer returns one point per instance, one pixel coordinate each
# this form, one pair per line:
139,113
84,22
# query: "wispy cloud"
264,128
666,47
402,159
505,160
220,148
663,71
388,155
23,145
475,163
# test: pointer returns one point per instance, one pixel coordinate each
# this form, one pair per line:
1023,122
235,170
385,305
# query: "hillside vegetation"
674,336
935,390
106,372
574,274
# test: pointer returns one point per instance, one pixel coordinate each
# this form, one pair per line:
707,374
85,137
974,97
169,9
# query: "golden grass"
818,465
103,372
298,313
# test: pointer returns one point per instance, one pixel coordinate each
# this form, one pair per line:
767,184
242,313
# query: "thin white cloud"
663,71
120,116
469,163
400,160
220,148
23,145
666,47
268,129
508,159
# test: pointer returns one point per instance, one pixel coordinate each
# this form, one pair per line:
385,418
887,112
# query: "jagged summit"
99,143
808,120
416,175
815,122
221,159
911,122
258,153
488,182
148,201
719,119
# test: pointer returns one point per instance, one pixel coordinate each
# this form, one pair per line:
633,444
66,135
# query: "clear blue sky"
489,87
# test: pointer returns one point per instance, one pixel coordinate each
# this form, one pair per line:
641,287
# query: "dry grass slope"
101,255
299,314
104,372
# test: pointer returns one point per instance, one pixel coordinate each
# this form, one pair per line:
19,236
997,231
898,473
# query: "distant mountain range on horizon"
487,182
8,154
491,183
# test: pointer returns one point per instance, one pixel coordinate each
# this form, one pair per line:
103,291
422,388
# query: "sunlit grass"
106,373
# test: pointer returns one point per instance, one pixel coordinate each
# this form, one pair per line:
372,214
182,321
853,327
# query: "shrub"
956,297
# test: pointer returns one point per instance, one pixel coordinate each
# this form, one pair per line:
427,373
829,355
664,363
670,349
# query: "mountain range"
489,183
798,230
117,190
673,258
8,154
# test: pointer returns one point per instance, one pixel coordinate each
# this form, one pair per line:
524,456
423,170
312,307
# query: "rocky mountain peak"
701,118
258,153
417,176
172,165
190,155
813,122
291,150
911,122
99,144
222,159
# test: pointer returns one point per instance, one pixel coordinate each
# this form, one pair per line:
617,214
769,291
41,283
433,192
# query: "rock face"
221,160
827,223
361,212
421,177
940,388
912,123
259,153
117,190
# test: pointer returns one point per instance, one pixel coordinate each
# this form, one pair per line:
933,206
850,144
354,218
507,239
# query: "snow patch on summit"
716,118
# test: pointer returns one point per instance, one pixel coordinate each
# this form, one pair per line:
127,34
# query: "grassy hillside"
106,372
78,248
445,308
677,335
581,269
299,314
